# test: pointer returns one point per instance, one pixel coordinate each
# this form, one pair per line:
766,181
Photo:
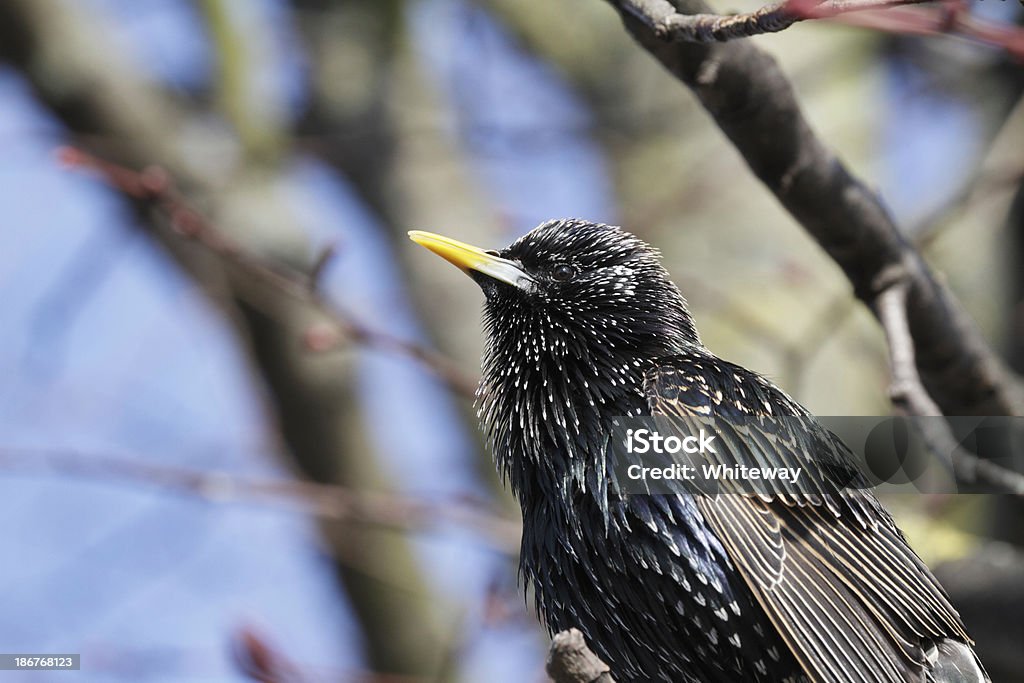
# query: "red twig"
265,662
946,18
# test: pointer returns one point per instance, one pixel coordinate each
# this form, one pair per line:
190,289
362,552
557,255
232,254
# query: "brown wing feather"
849,597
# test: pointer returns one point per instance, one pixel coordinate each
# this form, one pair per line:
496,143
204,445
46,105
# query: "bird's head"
575,312
571,287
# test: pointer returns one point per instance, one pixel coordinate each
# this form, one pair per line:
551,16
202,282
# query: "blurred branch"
154,187
73,286
981,186
753,103
661,18
314,400
327,501
371,115
265,662
259,128
910,397
347,112
571,661
952,18
1000,170
261,661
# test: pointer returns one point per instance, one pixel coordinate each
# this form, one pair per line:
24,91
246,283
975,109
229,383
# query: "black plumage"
583,324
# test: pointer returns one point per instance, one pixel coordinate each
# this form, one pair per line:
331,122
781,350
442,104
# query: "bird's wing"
849,597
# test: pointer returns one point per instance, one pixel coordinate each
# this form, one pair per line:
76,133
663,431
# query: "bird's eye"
562,272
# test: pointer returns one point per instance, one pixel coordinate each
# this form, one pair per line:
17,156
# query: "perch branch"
571,661
751,100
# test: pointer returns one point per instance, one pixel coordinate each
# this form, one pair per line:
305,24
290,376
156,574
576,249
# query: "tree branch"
751,100
911,398
327,501
668,24
153,187
571,661
661,17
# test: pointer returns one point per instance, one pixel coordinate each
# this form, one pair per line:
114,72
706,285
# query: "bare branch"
942,19
906,390
153,187
753,103
327,501
661,17
571,661
911,398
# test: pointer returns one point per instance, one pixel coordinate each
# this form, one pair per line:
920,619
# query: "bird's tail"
954,662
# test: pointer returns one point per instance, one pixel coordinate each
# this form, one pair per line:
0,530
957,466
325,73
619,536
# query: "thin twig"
910,397
261,661
945,19
321,264
327,501
155,188
906,390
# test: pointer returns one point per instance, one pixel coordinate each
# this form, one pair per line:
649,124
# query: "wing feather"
851,600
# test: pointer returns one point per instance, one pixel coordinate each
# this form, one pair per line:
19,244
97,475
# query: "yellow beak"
470,259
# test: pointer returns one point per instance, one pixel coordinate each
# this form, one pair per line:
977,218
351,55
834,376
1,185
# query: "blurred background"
237,458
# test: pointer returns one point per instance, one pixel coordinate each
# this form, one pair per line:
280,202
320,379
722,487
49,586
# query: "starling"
582,325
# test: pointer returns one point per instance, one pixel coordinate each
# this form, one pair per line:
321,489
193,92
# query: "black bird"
583,324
